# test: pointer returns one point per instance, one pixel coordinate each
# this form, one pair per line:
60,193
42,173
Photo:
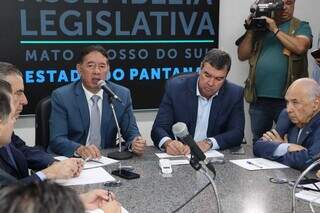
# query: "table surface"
240,190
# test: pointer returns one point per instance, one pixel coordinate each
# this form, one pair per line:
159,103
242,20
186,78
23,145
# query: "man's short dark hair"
5,107
7,69
92,48
40,197
218,59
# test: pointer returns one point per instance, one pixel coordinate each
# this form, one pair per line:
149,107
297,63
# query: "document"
310,196
179,162
315,186
88,176
103,161
258,164
209,154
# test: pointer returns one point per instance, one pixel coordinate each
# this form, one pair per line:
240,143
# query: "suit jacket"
70,118
309,138
6,179
25,157
180,104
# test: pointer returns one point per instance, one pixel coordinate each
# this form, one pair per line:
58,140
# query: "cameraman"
277,56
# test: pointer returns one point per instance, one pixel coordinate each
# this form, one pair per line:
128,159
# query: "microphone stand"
194,162
298,181
214,187
118,155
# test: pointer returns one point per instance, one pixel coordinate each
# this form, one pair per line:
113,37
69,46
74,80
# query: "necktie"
94,134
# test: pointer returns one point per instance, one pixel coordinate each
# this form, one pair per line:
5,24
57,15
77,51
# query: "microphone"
103,85
180,130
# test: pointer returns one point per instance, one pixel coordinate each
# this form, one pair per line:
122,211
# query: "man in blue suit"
15,156
296,139
211,107
74,129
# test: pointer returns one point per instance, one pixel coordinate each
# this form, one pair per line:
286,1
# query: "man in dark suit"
211,107
81,119
15,156
296,139
6,126
94,199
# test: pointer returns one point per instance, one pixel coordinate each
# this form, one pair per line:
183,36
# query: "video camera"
262,8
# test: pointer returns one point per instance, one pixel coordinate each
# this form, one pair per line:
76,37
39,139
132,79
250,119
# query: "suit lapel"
307,130
304,134
215,109
6,159
82,104
192,100
20,161
293,135
22,168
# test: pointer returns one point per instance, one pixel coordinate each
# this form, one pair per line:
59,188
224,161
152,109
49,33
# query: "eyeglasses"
94,66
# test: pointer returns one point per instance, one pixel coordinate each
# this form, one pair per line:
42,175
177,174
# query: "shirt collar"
89,94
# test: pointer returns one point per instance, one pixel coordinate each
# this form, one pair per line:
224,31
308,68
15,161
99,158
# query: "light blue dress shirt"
282,149
204,107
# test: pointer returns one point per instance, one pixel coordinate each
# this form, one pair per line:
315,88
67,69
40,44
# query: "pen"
109,195
253,164
93,160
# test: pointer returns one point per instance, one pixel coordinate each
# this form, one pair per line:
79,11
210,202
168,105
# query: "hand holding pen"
97,198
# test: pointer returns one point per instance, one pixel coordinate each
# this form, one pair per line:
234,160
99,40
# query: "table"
240,190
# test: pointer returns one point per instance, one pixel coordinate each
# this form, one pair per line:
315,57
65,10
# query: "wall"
232,14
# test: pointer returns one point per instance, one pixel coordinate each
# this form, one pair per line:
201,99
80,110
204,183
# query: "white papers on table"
88,176
179,162
209,154
123,210
311,186
258,164
103,161
310,196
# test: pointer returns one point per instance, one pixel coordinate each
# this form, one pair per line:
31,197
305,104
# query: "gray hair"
311,86
314,91
7,69
5,107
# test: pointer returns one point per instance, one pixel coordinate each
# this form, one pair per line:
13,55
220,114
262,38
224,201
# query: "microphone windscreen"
101,83
180,130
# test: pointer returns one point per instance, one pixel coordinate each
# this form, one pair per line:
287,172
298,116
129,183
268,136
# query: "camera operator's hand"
247,22
271,24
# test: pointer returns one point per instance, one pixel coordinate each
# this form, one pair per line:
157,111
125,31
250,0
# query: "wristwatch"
209,141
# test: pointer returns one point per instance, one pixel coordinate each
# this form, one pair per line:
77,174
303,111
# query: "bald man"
297,143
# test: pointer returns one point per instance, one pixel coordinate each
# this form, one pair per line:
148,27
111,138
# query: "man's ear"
316,104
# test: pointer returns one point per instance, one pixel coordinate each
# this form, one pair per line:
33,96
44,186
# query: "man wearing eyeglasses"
81,121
